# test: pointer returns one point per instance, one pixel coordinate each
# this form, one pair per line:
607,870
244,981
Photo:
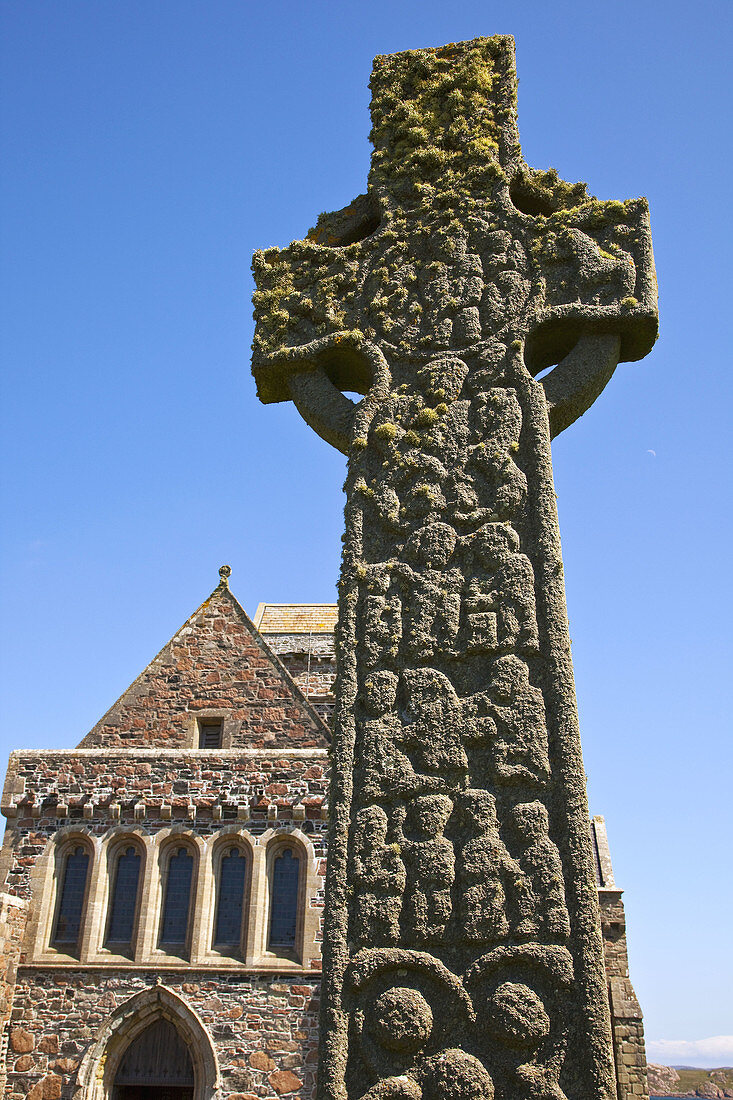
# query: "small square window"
210,730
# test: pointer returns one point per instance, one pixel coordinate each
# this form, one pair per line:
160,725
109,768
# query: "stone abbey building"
163,884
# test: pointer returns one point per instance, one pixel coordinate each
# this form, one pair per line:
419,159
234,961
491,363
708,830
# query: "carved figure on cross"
478,306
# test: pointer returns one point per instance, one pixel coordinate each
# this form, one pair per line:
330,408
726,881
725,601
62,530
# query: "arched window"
177,900
123,900
230,900
284,899
72,895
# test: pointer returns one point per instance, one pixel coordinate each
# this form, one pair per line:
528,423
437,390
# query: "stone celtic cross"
462,953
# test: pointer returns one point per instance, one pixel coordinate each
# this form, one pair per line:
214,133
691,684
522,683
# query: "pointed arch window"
177,900
123,900
72,895
230,900
284,891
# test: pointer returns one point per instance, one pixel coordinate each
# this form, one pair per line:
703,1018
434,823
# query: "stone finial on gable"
225,573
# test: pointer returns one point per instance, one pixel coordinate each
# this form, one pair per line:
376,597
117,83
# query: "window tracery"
232,881
123,899
175,918
284,892
71,899
134,895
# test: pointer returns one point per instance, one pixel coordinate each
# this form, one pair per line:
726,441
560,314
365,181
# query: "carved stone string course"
462,948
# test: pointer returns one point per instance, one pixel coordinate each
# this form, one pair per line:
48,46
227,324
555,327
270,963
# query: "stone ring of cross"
479,307
570,387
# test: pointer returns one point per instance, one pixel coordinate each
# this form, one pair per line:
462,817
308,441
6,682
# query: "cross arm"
305,302
600,301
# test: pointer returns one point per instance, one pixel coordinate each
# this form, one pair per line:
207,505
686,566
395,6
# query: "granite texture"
462,953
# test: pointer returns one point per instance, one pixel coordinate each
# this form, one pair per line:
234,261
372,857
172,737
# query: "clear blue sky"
149,148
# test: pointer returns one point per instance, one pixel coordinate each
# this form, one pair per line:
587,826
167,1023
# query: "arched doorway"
157,1065
107,1068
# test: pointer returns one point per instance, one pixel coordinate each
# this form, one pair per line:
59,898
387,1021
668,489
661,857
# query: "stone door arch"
100,1068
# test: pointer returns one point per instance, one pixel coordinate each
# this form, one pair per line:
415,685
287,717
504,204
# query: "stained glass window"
177,902
124,897
71,901
232,875
284,899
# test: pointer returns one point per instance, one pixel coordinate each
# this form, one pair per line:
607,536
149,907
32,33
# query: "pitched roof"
216,666
296,618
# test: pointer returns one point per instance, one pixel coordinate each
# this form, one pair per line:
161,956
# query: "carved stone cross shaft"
462,952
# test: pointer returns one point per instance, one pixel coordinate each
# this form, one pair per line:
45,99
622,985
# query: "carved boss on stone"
462,955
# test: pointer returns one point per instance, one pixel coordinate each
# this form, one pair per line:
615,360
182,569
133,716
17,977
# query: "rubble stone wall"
263,1020
265,1028
49,789
215,666
264,1025
627,1023
309,658
13,914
